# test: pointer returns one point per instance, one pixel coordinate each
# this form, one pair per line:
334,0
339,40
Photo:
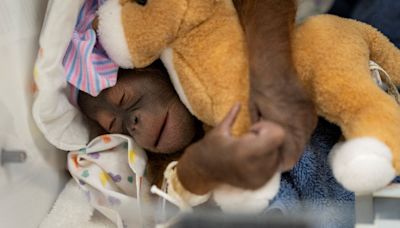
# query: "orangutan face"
144,105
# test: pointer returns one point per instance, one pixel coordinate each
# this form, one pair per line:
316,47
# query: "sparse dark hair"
86,102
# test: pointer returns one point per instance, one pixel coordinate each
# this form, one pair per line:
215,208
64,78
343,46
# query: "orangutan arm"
268,25
275,92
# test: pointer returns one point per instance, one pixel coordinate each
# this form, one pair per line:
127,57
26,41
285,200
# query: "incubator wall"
32,172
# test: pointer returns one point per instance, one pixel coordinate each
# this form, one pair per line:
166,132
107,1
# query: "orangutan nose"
132,123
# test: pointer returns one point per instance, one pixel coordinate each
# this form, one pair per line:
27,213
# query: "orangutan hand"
248,161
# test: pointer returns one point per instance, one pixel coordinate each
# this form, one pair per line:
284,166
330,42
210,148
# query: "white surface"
380,224
391,191
28,190
73,210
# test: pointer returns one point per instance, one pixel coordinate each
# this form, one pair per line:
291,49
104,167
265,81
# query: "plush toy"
200,43
332,55
202,46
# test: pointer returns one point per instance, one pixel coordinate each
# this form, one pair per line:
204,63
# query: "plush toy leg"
332,59
235,200
369,119
362,164
383,52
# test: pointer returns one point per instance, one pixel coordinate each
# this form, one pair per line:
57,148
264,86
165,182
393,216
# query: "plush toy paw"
236,200
362,165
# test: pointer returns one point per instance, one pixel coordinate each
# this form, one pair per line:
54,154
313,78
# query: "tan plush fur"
331,55
151,28
213,68
209,52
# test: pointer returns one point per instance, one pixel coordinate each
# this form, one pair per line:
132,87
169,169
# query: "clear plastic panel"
27,188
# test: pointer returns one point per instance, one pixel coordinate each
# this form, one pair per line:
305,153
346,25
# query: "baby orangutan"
144,105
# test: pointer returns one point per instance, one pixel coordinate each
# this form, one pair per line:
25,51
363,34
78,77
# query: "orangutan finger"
228,121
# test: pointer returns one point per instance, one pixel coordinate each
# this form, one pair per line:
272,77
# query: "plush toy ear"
134,33
111,34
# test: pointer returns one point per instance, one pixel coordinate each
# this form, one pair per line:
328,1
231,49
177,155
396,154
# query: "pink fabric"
87,66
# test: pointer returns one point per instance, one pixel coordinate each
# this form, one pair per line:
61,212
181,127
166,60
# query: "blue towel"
382,14
310,188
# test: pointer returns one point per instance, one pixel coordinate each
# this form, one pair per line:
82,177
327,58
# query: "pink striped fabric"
87,66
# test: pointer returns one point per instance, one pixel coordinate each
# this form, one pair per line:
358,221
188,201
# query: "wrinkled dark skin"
275,92
137,106
221,158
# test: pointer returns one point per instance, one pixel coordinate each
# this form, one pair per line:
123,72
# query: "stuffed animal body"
202,46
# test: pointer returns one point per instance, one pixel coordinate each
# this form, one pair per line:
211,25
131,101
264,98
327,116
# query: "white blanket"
63,126
72,210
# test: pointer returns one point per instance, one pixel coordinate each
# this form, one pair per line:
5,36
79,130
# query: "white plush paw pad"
362,165
236,200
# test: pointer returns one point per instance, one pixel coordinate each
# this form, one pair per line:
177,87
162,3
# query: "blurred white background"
28,189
